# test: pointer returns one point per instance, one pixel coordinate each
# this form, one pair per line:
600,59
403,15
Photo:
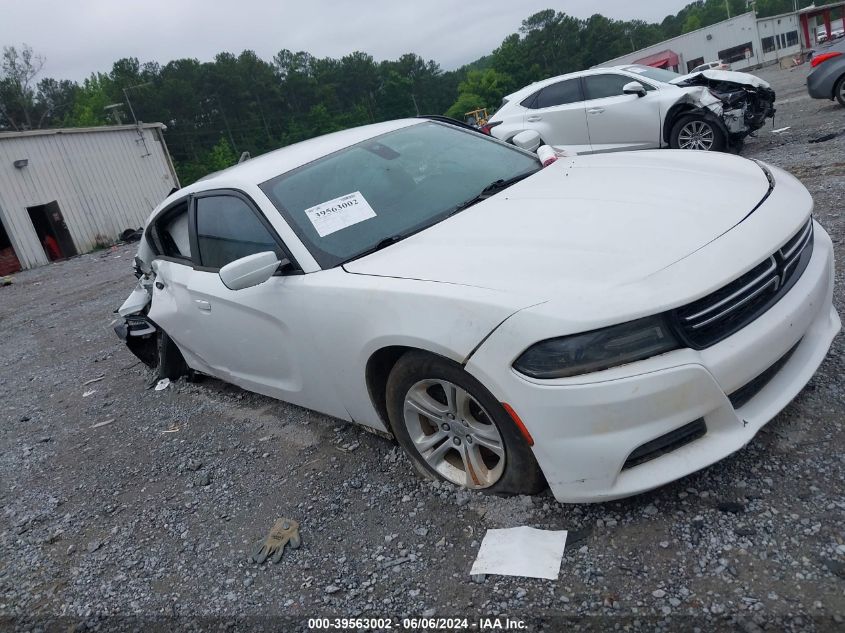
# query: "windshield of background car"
389,187
657,74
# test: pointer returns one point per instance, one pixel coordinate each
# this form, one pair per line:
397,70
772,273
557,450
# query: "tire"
171,364
839,91
473,443
696,132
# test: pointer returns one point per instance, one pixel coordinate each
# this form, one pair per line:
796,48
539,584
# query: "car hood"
729,76
584,222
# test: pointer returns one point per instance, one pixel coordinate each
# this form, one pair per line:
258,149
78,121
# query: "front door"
257,338
619,121
52,230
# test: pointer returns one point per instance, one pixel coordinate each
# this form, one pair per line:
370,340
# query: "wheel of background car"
696,132
839,91
454,429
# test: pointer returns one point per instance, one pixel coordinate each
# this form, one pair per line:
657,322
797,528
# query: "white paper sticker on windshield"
334,215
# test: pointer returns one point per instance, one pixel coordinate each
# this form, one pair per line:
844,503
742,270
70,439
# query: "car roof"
262,168
530,89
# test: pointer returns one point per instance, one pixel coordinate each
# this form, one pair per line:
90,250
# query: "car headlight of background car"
599,349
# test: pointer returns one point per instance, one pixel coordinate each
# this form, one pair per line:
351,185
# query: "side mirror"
634,88
528,140
249,271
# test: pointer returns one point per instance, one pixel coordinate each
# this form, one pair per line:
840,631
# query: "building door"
8,258
52,231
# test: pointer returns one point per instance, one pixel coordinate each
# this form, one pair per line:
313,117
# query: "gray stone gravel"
150,518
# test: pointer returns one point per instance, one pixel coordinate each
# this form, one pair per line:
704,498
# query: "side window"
228,229
529,102
172,230
561,93
610,85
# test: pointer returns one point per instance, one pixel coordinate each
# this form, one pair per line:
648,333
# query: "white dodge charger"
604,325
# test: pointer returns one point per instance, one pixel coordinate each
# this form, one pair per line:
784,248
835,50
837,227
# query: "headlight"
596,350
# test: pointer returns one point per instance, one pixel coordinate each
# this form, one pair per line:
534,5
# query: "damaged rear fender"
135,329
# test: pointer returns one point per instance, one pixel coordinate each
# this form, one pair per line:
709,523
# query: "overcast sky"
81,36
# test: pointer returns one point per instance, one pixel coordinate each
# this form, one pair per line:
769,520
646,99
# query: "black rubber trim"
744,394
666,443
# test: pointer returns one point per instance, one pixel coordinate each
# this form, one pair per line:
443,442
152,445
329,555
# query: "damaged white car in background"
590,325
638,107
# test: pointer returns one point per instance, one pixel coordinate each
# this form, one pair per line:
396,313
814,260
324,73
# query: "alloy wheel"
454,434
696,135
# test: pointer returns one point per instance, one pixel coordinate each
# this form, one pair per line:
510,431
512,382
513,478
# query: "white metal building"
68,191
743,41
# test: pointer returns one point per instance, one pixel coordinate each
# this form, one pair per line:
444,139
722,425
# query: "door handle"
535,117
595,110
202,305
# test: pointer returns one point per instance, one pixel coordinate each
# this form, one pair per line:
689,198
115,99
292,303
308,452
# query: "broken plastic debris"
162,384
89,393
348,448
781,130
521,551
103,423
284,532
93,380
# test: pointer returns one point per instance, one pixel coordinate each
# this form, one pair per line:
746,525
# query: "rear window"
561,93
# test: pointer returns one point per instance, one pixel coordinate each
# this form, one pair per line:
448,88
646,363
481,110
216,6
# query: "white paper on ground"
334,215
521,551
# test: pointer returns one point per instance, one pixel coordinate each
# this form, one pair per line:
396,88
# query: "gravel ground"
125,507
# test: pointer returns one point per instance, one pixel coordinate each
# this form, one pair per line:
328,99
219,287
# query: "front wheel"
454,429
839,91
696,132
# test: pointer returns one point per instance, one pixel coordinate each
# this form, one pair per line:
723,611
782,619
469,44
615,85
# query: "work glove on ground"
284,532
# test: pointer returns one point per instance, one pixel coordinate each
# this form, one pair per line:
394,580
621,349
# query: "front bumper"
585,430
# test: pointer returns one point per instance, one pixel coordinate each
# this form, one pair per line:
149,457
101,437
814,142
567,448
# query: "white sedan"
598,325
638,107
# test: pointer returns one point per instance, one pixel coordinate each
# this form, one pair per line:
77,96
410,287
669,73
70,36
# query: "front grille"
672,441
744,394
718,315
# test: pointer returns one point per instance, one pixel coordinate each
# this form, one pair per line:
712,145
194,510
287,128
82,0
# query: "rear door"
618,121
557,113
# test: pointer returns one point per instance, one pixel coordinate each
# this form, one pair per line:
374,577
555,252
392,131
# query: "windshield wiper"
490,190
379,245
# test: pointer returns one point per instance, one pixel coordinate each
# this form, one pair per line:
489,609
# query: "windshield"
390,186
657,74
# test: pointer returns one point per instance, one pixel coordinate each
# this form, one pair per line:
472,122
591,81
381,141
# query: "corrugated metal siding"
104,182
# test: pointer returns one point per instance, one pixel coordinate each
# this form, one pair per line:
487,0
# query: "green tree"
18,69
693,23
466,102
221,156
89,108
